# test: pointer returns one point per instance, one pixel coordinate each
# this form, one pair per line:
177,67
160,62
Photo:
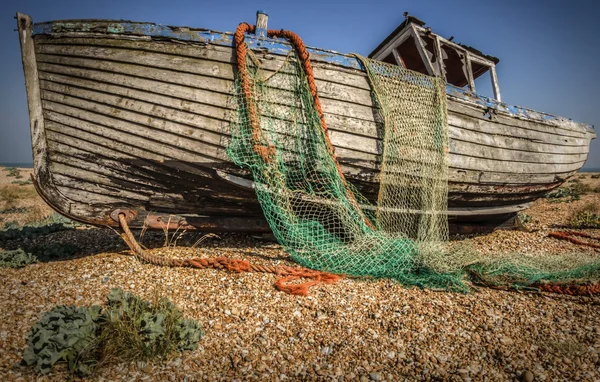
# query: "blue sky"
549,54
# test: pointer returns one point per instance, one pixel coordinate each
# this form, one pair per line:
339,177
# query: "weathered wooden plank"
495,86
88,180
216,106
89,147
83,193
42,179
159,76
470,123
98,187
159,180
484,164
225,54
498,119
488,211
512,143
162,78
473,123
189,180
327,87
162,130
459,175
203,102
340,108
185,98
481,151
492,191
90,133
68,156
340,138
121,123
181,53
204,129
366,162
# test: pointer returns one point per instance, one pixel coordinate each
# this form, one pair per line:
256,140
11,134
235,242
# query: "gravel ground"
351,330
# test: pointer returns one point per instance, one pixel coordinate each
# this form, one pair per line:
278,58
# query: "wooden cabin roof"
452,53
399,28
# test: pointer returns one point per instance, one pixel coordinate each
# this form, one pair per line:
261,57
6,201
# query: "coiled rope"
288,274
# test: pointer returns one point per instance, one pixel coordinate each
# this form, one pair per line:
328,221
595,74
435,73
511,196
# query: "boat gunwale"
278,46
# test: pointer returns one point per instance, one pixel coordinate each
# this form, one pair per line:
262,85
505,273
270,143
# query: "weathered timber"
129,121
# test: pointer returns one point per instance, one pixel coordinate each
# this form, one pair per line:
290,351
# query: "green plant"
595,176
580,188
22,182
65,334
587,216
13,171
138,329
16,259
51,224
126,329
524,218
11,224
568,194
19,258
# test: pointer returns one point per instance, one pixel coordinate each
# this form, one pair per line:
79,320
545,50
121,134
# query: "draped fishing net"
323,221
319,217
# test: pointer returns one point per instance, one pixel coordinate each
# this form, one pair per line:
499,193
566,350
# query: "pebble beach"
355,329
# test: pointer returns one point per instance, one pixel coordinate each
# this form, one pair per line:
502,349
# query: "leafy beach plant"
13,172
50,224
16,259
126,329
135,329
587,216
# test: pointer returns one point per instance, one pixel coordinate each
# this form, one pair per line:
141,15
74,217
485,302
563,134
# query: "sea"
17,164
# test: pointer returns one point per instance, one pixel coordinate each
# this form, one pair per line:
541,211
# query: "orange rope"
571,289
569,236
241,49
234,265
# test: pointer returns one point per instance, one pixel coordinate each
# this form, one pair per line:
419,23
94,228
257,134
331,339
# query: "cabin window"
411,57
390,59
483,82
456,71
421,50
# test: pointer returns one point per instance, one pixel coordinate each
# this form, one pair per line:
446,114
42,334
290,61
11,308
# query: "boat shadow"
76,243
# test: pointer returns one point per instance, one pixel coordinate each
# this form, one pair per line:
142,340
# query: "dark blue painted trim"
270,45
273,45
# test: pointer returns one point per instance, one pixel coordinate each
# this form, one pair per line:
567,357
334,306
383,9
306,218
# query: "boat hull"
140,122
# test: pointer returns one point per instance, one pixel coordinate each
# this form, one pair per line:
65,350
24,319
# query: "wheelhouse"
416,47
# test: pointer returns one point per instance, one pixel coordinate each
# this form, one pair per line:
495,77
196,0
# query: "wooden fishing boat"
135,117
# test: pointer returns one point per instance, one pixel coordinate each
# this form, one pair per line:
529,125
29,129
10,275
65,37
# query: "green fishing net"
322,220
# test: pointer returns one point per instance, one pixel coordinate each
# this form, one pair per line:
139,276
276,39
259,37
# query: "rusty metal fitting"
129,214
